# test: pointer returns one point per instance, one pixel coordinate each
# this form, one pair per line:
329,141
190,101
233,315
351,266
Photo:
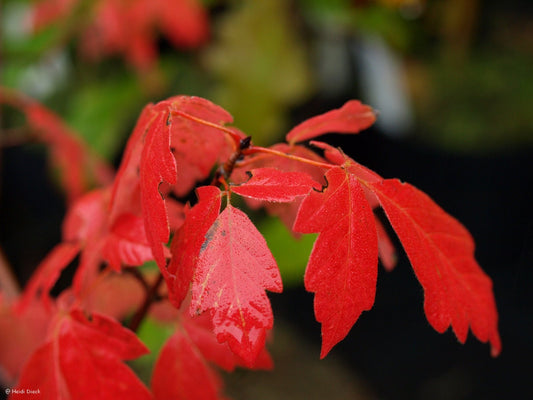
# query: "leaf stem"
265,150
234,136
150,297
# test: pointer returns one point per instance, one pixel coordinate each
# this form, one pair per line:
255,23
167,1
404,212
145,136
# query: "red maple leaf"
78,166
82,359
441,251
273,185
129,27
233,270
187,242
182,373
188,358
285,211
352,117
342,269
20,334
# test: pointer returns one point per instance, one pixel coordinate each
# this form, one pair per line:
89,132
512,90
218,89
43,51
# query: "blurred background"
452,81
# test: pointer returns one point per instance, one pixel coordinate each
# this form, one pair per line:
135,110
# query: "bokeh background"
452,81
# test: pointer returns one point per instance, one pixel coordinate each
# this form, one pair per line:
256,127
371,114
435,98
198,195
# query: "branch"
150,297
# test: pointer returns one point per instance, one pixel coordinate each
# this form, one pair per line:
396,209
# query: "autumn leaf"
128,28
187,242
185,365
126,243
352,117
197,139
270,184
234,268
47,274
342,268
21,333
441,251
182,373
78,166
83,360
285,211
157,165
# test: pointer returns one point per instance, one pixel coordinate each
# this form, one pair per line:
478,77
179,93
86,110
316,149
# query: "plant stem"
236,138
150,297
258,149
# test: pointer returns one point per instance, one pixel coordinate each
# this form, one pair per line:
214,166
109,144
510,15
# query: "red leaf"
271,184
47,274
285,211
126,243
157,165
352,117
181,373
186,244
200,331
342,269
184,22
125,195
68,153
83,360
197,139
441,251
21,333
387,252
234,268
86,217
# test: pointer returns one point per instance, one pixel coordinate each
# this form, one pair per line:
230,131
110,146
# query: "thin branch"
236,138
150,297
264,150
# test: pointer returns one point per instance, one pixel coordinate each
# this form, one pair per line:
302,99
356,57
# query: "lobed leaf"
187,242
83,360
157,165
234,269
342,268
181,372
271,184
352,117
441,251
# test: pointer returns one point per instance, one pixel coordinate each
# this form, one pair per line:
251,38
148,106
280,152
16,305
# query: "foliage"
213,265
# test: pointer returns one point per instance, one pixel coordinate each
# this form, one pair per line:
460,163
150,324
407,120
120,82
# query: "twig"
150,297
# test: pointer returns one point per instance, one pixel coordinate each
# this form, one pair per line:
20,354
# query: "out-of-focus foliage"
260,64
482,105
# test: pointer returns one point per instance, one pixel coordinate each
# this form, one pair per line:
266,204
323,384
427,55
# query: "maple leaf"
270,184
233,270
126,243
197,140
187,360
83,360
128,27
157,165
441,251
285,211
352,117
67,152
21,333
181,373
187,242
47,274
342,268
152,159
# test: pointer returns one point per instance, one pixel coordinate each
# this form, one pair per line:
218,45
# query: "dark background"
391,348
